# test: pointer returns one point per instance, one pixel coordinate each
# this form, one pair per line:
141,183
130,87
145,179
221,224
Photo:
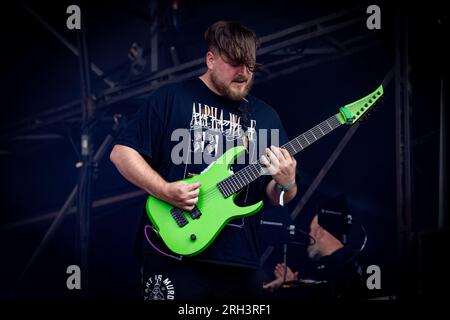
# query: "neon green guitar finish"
216,210
217,207
352,112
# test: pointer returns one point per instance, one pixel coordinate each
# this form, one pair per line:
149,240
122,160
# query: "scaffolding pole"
403,148
85,166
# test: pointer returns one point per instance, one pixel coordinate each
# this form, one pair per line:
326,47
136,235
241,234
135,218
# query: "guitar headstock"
353,112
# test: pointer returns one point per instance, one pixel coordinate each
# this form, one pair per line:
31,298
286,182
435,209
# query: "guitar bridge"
195,213
179,217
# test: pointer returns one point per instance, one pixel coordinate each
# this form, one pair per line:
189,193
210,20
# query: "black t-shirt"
184,122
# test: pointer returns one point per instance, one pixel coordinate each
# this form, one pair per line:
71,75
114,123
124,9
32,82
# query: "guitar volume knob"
193,237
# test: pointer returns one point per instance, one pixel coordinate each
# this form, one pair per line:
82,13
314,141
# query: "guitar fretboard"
253,171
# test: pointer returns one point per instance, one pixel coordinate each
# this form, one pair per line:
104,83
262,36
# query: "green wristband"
286,187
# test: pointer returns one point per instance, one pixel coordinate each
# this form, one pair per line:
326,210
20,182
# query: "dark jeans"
168,279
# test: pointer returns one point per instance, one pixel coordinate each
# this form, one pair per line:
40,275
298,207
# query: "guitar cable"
179,258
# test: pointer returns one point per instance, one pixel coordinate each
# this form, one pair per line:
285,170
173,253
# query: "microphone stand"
284,261
291,229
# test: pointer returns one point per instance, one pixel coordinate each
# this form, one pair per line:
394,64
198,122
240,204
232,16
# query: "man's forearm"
273,193
136,170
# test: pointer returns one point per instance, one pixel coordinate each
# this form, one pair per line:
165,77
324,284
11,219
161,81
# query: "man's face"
315,232
230,80
324,242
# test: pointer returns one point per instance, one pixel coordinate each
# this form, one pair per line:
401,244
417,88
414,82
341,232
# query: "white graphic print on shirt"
208,128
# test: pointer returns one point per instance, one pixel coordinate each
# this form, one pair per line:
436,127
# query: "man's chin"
237,94
313,253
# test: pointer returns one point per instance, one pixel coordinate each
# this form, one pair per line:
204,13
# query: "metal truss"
300,46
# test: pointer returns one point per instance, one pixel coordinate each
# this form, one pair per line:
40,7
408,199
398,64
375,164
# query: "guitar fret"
253,171
240,180
220,188
336,122
305,141
323,133
239,183
245,178
329,125
306,138
293,148
225,188
258,169
325,128
250,173
299,145
317,134
228,187
310,136
288,147
232,184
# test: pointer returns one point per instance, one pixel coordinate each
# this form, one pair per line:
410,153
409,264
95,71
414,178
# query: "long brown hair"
236,42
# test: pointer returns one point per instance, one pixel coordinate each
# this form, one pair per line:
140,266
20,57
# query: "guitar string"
214,192
241,175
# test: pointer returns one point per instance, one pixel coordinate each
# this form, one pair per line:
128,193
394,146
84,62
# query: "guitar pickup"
179,217
195,213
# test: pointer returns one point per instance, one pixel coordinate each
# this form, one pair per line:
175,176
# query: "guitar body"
215,210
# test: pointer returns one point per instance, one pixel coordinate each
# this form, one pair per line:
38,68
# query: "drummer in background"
336,266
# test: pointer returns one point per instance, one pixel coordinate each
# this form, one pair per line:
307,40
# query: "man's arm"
136,170
273,193
282,166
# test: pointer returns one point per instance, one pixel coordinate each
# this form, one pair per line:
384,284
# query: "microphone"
331,212
289,227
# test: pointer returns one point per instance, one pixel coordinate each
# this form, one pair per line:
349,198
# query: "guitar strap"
244,110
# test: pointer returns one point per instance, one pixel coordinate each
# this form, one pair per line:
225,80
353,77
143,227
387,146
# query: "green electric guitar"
189,233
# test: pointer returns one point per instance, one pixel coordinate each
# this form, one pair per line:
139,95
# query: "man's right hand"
281,268
181,194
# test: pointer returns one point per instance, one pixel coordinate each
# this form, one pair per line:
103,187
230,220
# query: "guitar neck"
253,171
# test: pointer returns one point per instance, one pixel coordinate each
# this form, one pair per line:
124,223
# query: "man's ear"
210,60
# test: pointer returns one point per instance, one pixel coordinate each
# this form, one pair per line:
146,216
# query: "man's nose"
243,69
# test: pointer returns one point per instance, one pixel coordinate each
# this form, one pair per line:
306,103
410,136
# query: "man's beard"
314,252
225,89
